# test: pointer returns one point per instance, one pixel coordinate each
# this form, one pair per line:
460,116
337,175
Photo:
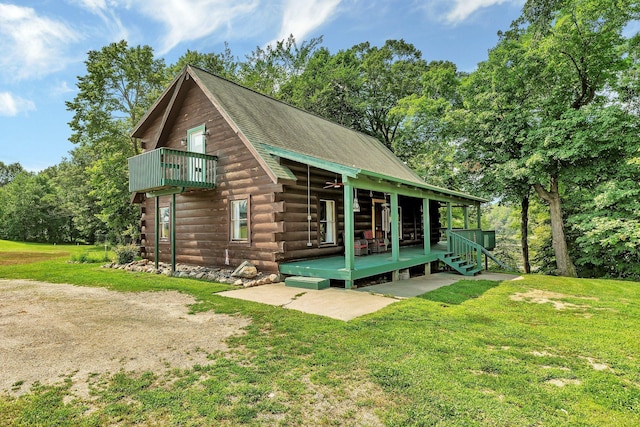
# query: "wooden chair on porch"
375,244
360,247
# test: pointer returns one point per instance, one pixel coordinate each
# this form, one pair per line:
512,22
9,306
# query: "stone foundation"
218,275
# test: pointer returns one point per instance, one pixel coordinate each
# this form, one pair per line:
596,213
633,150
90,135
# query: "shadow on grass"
460,291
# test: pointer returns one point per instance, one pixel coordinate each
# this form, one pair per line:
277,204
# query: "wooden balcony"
166,169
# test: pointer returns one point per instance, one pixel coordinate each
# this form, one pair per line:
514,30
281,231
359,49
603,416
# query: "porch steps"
307,282
460,265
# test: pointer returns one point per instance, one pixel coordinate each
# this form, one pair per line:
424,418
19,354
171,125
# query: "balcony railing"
166,168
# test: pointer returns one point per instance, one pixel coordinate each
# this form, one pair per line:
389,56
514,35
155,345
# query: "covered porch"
400,217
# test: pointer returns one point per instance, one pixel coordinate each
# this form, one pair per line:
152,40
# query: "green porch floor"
364,266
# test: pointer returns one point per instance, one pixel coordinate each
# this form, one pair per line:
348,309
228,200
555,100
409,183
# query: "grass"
467,354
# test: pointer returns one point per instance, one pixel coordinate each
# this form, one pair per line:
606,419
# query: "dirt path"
49,332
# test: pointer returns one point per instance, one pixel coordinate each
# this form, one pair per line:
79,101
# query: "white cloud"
11,105
193,19
61,88
464,8
32,45
301,17
458,11
106,11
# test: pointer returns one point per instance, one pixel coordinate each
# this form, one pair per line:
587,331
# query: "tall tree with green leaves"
564,56
222,64
268,69
389,73
120,84
426,138
493,126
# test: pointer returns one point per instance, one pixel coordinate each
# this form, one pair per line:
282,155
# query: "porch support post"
349,260
449,215
479,218
465,210
173,233
426,226
395,228
156,249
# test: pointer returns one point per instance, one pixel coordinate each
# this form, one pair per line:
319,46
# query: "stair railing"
466,249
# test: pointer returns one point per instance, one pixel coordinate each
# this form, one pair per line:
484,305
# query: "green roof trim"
427,187
313,161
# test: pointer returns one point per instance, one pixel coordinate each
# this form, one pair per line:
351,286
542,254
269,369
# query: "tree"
359,87
327,87
565,54
493,125
30,209
426,138
268,70
9,172
120,85
389,74
221,64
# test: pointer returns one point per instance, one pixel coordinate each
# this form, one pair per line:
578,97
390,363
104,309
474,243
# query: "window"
164,223
239,220
327,217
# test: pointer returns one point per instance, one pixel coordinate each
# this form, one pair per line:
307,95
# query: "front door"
380,218
196,144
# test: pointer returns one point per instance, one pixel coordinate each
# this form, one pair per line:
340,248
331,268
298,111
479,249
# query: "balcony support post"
173,233
156,249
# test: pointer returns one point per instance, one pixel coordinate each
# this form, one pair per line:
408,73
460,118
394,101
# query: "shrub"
125,253
87,258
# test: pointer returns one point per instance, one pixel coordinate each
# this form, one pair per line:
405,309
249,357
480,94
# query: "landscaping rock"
274,278
246,270
245,275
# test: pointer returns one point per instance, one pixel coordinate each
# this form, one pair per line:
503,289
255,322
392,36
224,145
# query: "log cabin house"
229,175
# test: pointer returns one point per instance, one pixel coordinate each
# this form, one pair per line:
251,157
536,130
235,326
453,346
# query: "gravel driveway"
50,331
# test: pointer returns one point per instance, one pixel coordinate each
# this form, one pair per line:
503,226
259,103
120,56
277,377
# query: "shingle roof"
268,123
272,127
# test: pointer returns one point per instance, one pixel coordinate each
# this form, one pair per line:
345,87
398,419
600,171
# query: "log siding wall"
279,230
202,217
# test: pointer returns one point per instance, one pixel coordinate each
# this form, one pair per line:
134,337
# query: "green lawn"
474,353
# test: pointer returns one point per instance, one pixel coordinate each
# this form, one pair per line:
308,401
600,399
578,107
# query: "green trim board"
312,161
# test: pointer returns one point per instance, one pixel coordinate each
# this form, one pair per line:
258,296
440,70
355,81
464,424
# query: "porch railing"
165,168
485,238
468,251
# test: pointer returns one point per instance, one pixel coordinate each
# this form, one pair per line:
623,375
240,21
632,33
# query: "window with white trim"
163,224
239,220
327,218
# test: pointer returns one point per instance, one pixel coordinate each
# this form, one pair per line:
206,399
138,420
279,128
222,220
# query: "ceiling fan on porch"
333,184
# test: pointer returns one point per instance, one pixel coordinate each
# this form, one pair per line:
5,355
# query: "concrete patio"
347,304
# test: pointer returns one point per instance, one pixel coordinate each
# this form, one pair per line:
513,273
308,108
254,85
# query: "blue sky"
44,45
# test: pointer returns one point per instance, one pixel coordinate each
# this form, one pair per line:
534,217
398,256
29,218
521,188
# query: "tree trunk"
524,233
559,242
